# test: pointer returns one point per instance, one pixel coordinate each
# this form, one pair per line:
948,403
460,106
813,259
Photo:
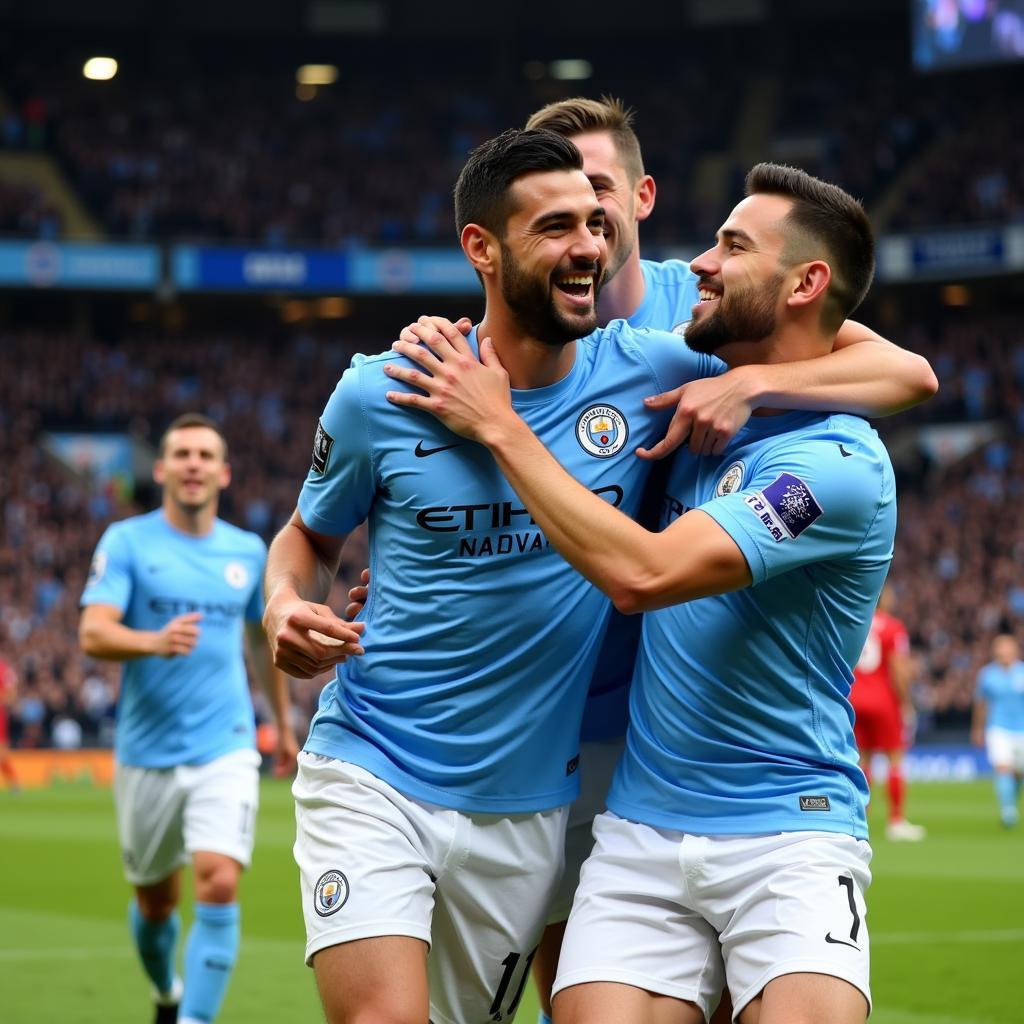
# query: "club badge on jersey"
602,431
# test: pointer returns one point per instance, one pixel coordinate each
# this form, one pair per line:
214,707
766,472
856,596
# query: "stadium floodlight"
571,70
316,74
100,69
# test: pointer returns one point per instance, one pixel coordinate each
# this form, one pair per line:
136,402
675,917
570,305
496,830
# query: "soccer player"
645,293
176,594
998,722
881,703
431,793
735,845
8,693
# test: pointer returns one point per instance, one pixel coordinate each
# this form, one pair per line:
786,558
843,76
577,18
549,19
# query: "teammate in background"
176,594
8,694
735,842
881,703
645,294
432,792
998,722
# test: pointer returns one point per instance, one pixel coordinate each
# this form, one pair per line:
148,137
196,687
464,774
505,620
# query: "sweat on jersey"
670,293
192,708
740,721
480,639
1003,690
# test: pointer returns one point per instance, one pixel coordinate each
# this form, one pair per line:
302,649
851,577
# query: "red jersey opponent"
881,701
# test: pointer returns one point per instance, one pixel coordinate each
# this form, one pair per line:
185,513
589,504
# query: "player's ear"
644,192
481,248
812,283
225,475
159,475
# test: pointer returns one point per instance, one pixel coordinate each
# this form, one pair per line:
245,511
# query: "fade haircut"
580,115
192,419
826,223
483,193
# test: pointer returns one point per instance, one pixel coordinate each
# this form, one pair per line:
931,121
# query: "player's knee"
155,907
217,884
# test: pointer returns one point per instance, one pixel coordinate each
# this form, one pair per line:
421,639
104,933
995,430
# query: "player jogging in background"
8,693
884,713
998,723
176,594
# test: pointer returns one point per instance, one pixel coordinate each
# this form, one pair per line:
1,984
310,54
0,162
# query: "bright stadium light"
571,70
316,74
100,69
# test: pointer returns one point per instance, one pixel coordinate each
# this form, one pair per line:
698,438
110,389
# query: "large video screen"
957,33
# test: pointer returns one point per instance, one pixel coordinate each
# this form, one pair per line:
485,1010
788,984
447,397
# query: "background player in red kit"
8,690
881,701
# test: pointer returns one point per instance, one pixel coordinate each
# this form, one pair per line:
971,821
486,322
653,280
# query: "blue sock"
543,1018
1006,794
156,942
210,955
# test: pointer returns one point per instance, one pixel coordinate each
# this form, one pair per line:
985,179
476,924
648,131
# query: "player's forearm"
114,641
870,379
603,544
295,564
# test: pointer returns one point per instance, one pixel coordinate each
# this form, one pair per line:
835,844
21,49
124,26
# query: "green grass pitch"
946,916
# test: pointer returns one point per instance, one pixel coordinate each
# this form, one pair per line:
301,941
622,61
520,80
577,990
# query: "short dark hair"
580,115
483,191
192,419
830,225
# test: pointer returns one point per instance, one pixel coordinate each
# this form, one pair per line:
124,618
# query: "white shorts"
598,759
166,814
1005,748
680,915
474,887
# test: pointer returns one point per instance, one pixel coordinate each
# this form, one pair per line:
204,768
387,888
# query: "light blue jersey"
196,707
480,639
670,293
740,718
1003,691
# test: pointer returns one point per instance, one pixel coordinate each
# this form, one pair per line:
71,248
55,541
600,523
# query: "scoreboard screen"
959,33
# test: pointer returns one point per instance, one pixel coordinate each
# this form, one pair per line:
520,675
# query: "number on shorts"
847,882
248,816
510,963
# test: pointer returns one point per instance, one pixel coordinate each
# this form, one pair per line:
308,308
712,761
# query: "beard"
531,301
744,314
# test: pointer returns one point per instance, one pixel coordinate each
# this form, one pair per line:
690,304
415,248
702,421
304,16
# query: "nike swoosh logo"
840,942
422,453
845,454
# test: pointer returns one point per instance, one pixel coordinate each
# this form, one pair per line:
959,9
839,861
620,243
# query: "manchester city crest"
236,575
331,893
732,480
602,431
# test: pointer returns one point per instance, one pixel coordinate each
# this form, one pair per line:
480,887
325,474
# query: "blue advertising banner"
354,271
79,265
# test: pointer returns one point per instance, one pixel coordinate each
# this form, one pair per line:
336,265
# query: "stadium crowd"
952,517
232,154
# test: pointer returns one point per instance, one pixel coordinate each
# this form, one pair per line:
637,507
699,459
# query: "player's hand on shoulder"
179,636
307,638
709,412
428,327
357,595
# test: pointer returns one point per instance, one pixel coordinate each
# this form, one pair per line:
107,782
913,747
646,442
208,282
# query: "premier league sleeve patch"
322,445
787,507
